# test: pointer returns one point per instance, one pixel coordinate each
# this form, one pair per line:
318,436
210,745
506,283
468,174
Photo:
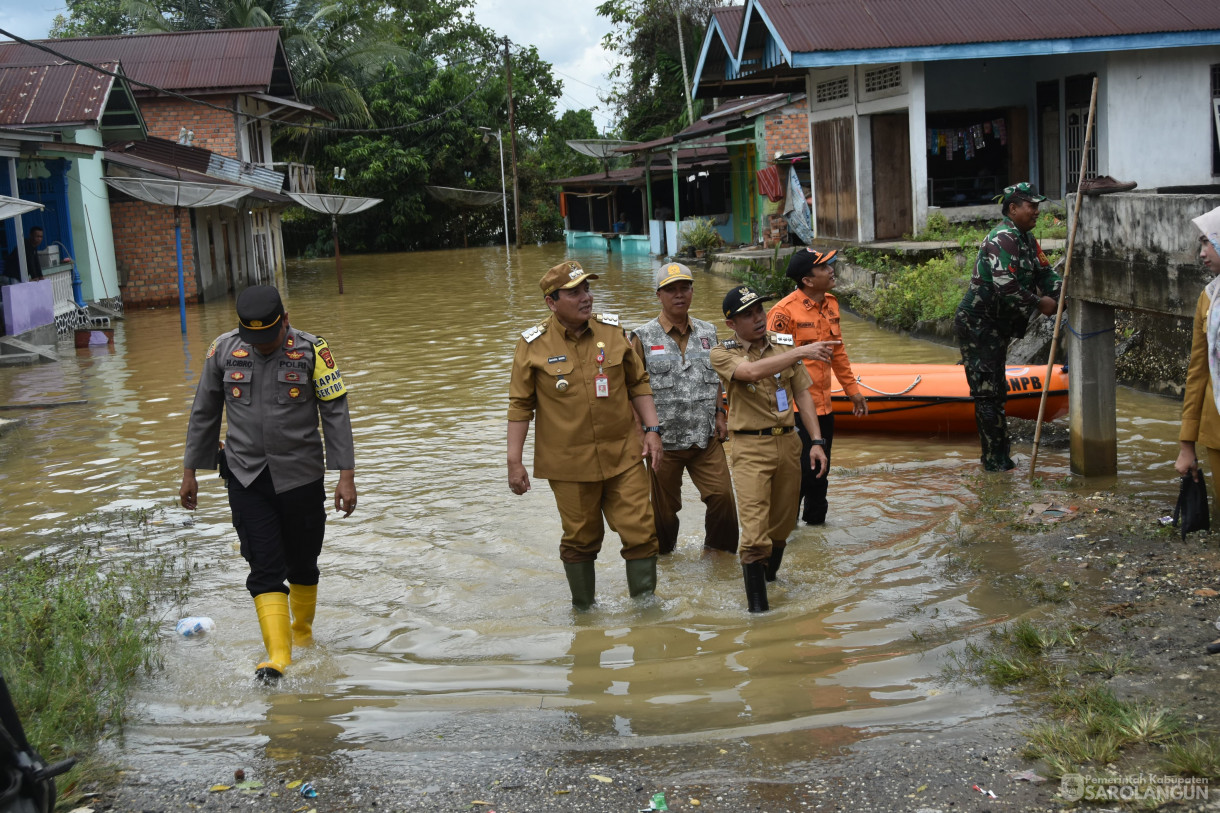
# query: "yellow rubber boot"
277,635
303,601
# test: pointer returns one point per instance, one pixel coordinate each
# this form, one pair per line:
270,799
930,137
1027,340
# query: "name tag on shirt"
781,399
601,386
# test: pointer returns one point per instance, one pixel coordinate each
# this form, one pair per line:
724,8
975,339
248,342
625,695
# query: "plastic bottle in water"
195,625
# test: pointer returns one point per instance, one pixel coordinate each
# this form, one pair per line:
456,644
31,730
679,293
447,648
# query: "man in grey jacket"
676,348
275,383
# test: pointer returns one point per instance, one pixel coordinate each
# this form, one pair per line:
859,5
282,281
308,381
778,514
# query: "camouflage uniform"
1010,275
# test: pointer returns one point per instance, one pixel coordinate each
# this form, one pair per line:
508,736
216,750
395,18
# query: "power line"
223,109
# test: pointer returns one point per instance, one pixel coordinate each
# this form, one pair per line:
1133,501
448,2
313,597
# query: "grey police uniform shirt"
273,411
686,390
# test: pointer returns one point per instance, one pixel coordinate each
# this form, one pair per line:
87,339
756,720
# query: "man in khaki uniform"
676,347
763,381
578,376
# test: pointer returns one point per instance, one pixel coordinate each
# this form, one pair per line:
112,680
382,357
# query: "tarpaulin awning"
11,207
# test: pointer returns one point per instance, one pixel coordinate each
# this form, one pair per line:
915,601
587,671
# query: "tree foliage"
648,88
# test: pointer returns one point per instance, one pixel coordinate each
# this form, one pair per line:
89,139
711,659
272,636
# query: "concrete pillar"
1092,403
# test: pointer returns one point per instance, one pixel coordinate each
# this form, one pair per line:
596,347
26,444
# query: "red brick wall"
214,130
146,254
786,132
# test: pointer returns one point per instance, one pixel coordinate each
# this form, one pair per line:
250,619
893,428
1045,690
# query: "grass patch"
77,630
920,293
1090,725
1193,756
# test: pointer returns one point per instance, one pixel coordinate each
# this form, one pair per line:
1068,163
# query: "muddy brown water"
444,616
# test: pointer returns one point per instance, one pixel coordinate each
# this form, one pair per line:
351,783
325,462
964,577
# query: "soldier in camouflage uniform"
677,350
1012,278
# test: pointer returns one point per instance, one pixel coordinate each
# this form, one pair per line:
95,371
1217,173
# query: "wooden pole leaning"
1067,269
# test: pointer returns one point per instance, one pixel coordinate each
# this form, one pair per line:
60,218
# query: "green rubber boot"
582,579
642,576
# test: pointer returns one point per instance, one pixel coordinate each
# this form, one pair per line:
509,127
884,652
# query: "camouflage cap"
565,275
1021,191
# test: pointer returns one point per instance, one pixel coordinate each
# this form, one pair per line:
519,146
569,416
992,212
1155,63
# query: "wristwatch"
818,441
656,429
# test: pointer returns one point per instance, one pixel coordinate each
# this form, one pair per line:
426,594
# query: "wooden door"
891,177
834,173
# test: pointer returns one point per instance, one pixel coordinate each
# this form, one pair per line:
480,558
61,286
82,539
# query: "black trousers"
281,534
813,489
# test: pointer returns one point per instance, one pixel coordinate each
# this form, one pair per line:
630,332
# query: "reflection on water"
443,610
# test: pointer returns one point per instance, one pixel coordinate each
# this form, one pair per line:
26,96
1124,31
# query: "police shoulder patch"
781,338
533,332
212,348
608,318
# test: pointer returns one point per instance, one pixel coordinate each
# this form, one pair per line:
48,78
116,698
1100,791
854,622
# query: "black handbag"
1190,514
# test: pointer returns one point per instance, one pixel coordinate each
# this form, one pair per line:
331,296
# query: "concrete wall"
92,231
1140,252
1160,116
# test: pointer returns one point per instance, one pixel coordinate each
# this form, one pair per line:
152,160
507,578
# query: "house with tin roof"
209,100
937,105
54,120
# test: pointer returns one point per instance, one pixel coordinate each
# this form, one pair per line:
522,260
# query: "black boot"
581,579
641,576
755,575
777,556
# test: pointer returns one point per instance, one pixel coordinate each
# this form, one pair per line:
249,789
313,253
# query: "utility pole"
512,133
690,110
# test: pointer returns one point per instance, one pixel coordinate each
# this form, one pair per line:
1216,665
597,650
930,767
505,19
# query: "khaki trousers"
767,476
709,471
623,499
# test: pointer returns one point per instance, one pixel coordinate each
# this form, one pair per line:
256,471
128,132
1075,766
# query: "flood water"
444,617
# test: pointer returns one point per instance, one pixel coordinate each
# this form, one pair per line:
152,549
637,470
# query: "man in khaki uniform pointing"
577,376
764,376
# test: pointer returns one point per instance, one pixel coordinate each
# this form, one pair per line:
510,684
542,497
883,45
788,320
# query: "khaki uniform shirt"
808,322
1200,420
578,437
273,405
756,405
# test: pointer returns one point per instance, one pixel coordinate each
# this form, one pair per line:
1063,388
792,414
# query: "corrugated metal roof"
729,18
36,95
834,25
162,151
233,60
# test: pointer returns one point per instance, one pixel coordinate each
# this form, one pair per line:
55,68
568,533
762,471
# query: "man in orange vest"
811,314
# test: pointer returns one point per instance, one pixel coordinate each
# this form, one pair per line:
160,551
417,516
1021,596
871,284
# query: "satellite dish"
600,148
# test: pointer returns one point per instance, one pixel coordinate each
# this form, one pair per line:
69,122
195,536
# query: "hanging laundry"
769,183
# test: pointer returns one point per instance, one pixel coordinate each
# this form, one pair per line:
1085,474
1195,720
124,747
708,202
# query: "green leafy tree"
94,18
648,88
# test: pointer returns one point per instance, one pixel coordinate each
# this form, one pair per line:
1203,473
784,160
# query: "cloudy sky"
568,34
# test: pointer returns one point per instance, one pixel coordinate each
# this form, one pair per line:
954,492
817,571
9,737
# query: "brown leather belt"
774,430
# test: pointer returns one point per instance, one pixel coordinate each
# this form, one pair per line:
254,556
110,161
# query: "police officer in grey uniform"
677,349
275,383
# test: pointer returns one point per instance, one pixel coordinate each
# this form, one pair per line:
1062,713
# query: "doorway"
891,176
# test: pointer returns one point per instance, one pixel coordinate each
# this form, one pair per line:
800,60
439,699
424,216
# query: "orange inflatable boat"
935,397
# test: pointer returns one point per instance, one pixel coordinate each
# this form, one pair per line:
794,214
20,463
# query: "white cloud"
568,34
